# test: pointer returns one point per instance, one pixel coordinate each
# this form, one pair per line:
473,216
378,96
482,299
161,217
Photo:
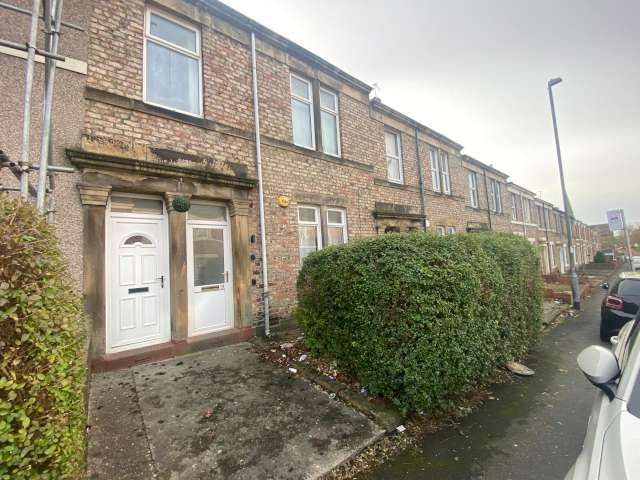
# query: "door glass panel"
137,239
216,213
122,204
208,256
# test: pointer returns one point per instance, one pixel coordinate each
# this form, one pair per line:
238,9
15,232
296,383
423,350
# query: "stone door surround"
97,186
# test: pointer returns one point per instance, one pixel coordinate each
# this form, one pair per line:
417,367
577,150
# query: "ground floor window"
440,230
336,226
451,230
309,232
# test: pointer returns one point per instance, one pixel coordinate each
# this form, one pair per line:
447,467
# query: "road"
533,429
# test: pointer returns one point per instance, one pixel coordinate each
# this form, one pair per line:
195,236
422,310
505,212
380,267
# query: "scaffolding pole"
26,119
52,30
52,17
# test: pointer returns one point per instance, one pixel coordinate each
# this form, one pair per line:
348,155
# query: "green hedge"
42,363
421,319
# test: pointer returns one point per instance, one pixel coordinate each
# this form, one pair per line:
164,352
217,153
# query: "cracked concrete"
220,414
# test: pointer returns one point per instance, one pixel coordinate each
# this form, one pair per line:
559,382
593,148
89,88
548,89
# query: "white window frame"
434,164
451,230
473,189
336,114
514,207
396,136
317,224
496,196
159,41
309,102
526,210
444,171
440,230
342,225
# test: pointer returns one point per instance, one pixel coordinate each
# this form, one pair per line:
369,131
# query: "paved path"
533,429
220,414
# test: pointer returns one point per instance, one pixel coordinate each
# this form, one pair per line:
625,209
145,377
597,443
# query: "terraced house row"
155,105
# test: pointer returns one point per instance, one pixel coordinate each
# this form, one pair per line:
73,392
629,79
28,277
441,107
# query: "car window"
629,287
629,341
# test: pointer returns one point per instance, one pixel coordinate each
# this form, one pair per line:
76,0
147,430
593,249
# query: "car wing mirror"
601,368
605,285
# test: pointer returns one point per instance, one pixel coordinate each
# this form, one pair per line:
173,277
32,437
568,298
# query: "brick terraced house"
159,109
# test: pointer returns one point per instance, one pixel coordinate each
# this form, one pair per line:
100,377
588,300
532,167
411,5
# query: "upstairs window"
473,189
540,216
495,196
517,206
302,112
305,116
439,164
329,122
172,77
393,155
526,210
309,231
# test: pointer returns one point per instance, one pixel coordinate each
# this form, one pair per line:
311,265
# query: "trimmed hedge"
421,319
42,361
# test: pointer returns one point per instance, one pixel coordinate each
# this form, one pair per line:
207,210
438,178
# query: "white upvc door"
137,282
209,270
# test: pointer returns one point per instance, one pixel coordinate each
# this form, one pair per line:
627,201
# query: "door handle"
161,281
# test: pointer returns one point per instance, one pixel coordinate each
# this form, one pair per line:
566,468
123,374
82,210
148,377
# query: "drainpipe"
263,231
421,182
486,194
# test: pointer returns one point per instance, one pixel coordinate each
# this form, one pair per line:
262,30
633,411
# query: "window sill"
169,110
383,182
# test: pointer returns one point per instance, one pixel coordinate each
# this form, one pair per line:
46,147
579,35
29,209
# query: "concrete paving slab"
225,414
118,446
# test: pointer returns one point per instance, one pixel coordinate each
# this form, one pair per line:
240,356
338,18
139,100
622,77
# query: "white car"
635,263
611,448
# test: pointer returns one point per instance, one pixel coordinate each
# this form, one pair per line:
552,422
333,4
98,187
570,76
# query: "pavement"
220,414
528,430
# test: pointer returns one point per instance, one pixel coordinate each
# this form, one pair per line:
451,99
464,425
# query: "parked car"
635,263
620,305
611,444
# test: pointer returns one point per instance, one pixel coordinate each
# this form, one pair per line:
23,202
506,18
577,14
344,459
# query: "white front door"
138,282
210,279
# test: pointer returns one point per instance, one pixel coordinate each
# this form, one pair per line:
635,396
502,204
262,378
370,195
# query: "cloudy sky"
476,70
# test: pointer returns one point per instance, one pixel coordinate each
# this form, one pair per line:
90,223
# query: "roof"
377,104
229,14
522,189
484,166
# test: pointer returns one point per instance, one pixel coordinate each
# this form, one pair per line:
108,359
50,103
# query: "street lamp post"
575,288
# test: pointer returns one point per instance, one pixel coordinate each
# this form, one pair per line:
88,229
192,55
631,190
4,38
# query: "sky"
477,71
